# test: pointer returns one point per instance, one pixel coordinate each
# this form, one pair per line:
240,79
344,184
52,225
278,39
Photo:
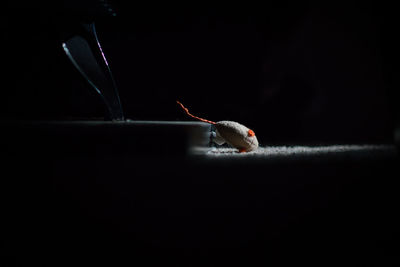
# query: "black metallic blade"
87,56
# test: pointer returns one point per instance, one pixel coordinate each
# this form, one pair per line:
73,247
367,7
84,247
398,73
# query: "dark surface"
116,138
331,208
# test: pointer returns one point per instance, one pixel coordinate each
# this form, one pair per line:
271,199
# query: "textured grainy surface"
301,151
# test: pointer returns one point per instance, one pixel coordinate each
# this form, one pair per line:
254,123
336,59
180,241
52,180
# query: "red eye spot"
251,133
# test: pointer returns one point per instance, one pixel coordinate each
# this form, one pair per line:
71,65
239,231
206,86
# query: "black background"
295,73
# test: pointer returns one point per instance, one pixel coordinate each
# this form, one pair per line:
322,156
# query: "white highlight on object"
233,133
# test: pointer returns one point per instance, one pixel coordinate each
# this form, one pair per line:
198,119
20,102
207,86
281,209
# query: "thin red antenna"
188,113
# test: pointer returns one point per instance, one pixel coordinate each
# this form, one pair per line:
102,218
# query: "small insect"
233,133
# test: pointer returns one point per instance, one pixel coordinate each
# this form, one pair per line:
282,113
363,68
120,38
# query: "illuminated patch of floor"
286,151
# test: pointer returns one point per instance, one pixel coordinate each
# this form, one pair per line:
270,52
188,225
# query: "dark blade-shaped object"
85,52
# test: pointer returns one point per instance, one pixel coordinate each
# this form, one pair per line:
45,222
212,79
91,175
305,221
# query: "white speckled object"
237,135
233,133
